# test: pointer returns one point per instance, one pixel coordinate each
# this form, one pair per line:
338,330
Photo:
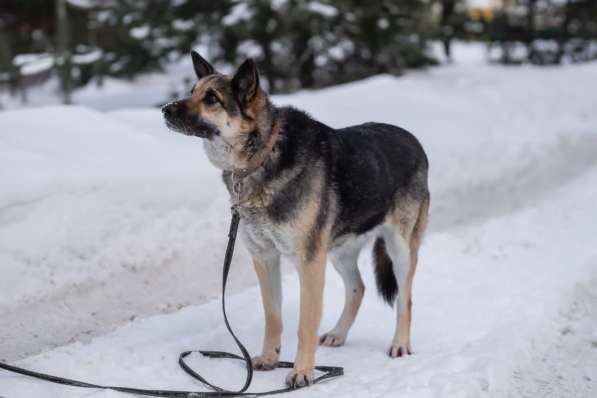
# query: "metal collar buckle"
237,189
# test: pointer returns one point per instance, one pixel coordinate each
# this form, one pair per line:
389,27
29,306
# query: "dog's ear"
245,82
201,66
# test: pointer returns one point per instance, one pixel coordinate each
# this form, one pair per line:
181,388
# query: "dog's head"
231,112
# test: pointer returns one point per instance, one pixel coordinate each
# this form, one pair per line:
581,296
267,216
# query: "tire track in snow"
516,188
81,310
564,361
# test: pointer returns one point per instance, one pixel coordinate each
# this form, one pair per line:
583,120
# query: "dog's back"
374,165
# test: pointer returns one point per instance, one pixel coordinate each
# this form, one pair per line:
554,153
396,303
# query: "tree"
296,43
63,56
447,26
551,31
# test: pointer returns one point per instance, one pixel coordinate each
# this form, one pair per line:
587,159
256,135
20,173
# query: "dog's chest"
261,234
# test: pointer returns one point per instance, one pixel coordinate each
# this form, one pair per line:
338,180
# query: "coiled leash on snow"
329,371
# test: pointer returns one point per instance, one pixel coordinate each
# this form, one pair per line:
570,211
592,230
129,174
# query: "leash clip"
237,189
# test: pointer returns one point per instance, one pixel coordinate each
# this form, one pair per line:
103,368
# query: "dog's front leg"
267,268
311,273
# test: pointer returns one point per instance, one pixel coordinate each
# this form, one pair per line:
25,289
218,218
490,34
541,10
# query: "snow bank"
85,195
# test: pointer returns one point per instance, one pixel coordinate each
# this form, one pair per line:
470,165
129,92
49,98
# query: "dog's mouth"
183,128
191,126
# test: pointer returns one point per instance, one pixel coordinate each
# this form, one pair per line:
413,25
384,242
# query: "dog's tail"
384,272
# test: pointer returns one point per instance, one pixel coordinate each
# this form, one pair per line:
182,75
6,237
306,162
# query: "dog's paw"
399,350
265,362
299,378
332,340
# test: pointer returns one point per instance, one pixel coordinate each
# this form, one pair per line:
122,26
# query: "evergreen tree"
296,43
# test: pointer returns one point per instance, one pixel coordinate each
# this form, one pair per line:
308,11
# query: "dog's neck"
247,161
247,183
257,159
237,154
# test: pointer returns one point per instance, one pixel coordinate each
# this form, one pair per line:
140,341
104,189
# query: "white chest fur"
261,235
219,152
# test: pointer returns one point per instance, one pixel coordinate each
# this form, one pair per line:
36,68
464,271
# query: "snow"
22,59
238,13
76,164
140,32
480,3
324,9
183,24
340,51
36,67
88,57
82,3
250,49
107,217
468,295
33,64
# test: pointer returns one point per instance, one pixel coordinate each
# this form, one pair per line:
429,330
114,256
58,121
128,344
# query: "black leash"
328,371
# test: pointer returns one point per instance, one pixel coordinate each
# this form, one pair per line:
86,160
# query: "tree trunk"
531,12
447,26
63,56
564,31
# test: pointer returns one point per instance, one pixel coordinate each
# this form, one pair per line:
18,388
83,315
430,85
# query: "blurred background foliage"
297,44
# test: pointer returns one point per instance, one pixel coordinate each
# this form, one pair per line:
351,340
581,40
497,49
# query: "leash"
328,371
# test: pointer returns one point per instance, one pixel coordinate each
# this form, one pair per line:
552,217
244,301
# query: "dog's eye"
210,99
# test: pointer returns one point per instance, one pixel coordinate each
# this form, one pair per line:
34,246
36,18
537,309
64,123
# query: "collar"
254,162
259,157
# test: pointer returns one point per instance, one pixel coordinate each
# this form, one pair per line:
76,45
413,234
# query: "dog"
311,193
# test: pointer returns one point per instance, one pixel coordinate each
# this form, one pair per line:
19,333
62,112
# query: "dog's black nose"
171,109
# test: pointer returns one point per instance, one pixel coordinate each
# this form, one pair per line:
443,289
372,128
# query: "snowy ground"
107,218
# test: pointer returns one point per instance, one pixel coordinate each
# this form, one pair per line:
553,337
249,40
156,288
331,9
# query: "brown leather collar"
259,157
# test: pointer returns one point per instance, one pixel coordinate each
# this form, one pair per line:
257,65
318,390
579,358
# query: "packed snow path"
107,217
488,302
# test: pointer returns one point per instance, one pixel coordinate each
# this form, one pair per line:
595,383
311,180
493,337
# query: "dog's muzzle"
173,109
178,119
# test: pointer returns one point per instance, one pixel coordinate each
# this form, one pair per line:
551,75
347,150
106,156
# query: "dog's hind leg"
403,239
345,262
267,268
399,251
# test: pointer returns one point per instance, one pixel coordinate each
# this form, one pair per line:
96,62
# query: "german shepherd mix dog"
311,193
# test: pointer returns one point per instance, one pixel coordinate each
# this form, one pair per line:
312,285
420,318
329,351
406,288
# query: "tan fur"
273,320
411,219
307,217
351,309
311,271
236,126
354,305
312,276
420,226
405,216
254,109
229,127
233,129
